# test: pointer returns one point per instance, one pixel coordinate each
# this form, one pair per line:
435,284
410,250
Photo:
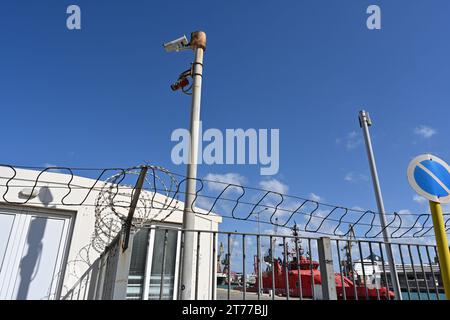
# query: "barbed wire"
110,191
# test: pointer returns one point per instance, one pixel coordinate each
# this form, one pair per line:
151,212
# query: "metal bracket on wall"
136,194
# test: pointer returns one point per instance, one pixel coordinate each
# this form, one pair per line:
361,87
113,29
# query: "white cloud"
349,177
425,131
355,177
419,199
446,207
48,165
279,231
204,203
405,212
351,141
315,197
221,179
274,185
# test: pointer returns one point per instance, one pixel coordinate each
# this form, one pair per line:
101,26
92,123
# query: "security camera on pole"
198,45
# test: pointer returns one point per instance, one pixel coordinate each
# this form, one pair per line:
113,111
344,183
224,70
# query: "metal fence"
110,190
248,266
101,281
227,265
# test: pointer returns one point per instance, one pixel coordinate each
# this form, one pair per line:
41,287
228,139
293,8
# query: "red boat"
307,273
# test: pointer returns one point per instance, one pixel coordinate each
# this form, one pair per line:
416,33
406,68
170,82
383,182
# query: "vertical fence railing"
383,267
414,272
228,264
342,295
197,264
274,267
423,272
352,271
374,271
259,266
435,284
163,266
181,257
274,290
299,277
215,262
285,266
405,274
244,278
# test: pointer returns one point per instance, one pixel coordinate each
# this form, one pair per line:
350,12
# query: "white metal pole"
365,122
259,256
187,287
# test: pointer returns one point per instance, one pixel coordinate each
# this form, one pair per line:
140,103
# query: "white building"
52,236
372,268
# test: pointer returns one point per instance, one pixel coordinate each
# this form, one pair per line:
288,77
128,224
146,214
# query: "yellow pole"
442,245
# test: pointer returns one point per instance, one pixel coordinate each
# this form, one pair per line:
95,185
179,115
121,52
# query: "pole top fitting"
364,117
198,40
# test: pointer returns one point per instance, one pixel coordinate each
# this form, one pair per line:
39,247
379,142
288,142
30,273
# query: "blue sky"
100,96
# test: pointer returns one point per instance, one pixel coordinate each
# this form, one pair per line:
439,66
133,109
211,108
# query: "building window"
135,287
149,273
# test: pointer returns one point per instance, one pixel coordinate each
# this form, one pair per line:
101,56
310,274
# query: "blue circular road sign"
429,176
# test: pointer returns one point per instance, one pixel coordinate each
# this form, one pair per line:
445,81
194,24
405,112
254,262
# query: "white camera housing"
177,44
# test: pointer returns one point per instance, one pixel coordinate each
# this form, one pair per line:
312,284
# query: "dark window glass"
137,265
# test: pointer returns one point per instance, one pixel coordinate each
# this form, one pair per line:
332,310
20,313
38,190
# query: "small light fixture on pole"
365,122
198,45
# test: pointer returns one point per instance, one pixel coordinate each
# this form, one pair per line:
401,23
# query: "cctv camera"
176,45
181,83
